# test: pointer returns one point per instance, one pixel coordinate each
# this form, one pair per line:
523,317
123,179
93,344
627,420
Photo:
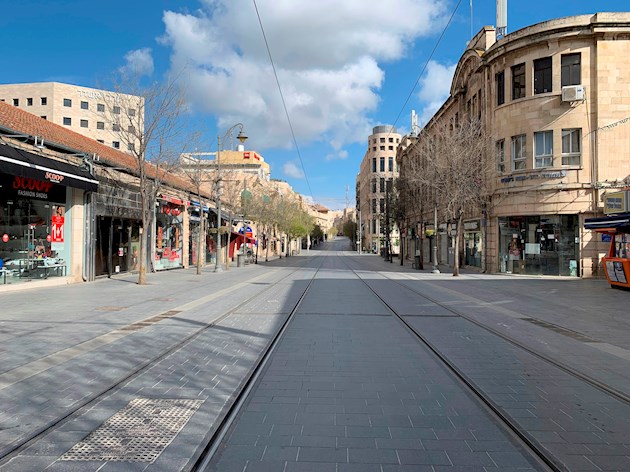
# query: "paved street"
347,387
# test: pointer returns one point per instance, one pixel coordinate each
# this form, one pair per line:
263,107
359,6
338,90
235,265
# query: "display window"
168,239
34,230
539,245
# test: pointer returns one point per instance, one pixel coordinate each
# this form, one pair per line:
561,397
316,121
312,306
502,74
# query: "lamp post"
436,269
242,137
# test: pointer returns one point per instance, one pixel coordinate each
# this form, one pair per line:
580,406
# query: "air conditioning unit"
572,93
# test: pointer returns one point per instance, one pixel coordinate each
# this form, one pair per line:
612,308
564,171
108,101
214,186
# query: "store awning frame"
611,223
22,163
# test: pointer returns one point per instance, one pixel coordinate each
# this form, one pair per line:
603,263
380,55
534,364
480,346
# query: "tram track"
539,450
13,449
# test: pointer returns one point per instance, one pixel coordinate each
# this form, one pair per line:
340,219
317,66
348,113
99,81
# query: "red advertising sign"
56,229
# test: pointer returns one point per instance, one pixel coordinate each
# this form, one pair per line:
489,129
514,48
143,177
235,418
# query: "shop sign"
534,176
616,202
17,186
471,225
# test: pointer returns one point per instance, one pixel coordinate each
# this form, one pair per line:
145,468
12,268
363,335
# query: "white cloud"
291,169
339,155
435,88
327,55
138,62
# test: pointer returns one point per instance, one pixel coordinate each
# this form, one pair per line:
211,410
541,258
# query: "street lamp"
242,137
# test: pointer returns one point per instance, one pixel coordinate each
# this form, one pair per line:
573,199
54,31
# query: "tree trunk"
201,247
458,235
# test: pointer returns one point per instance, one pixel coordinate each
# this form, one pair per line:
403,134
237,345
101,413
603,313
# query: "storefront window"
538,245
169,244
34,230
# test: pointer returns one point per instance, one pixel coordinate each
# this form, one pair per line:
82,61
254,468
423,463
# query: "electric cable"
286,111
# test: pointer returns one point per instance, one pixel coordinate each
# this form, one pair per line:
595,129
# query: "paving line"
38,366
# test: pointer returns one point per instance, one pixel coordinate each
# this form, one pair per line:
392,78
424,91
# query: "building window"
373,185
131,147
382,148
132,112
500,146
100,125
16,102
500,81
571,69
390,164
374,205
67,121
85,106
374,226
67,102
44,100
116,110
391,140
374,164
84,123
571,147
115,127
543,149
542,75
44,117
382,140
382,205
381,185
101,141
382,166
29,102
519,152
116,144
391,148
131,129
100,107
518,81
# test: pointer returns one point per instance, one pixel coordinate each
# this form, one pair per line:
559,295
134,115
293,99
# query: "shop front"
169,222
36,209
539,245
117,232
473,247
196,217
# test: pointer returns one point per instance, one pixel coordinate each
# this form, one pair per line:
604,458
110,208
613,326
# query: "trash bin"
416,262
239,260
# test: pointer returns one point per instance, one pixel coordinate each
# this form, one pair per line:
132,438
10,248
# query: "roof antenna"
501,18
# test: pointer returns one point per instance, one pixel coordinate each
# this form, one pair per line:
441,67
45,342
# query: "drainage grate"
137,433
149,321
110,308
559,329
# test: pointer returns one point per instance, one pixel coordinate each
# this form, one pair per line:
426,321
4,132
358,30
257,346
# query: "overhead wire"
426,64
286,111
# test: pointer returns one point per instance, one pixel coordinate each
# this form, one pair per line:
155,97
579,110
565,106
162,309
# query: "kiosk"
617,261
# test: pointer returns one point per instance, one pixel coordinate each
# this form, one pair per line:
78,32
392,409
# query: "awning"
172,199
612,222
26,164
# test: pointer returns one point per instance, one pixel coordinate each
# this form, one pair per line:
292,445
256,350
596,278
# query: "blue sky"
343,68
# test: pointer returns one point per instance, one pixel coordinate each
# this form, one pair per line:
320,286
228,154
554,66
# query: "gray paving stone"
322,454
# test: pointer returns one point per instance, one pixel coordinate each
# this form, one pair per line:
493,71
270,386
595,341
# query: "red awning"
171,199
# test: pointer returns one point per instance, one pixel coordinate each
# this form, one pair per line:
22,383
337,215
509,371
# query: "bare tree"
453,167
147,121
201,180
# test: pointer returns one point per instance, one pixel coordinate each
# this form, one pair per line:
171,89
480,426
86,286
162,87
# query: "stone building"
555,98
374,185
101,115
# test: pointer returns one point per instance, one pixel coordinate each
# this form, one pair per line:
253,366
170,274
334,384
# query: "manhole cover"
137,433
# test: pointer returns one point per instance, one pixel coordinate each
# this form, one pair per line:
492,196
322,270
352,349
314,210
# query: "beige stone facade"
556,98
98,114
377,171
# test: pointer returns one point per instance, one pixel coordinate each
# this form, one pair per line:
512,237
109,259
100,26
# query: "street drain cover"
137,433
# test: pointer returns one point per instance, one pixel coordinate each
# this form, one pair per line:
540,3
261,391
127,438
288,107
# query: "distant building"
240,161
107,117
374,184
